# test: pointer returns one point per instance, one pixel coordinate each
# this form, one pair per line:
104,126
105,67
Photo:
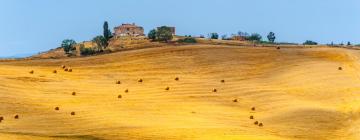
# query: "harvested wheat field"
261,94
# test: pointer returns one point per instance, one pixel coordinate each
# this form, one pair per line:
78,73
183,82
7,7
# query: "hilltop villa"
128,30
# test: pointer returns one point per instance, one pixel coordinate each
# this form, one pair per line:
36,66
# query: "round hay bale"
31,72
66,69
119,96
167,88
72,113
222,81
73,93
214,90
253,108
340,68
235,100
118,82
140,80
127,90
16,116
278,47
256,122
57,108
251,117
177,79
261,124
55,71
63,66
1,118
70,70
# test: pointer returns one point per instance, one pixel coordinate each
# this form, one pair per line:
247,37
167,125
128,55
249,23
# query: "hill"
297,93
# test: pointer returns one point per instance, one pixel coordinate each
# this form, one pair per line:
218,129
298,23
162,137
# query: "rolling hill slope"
297,93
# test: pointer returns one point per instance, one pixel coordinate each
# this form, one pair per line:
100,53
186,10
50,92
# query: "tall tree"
107,32
271,37
100,42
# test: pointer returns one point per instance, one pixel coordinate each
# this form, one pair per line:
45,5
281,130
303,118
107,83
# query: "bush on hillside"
254,37
187,40
309,42
214,36
164,34
86,51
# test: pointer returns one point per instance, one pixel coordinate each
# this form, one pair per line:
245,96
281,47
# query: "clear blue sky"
30,26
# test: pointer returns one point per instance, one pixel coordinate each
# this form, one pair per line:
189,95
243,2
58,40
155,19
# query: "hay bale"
261,124
253,109
235,100
177,79
214,90
140,80
73,93
340,68
119,96
1,119
66,69
72,113
118,82
127,90
251,117
31,72
278,47
70,70
57,108
16,116
63,66
167,88
222,81
55,71
256,122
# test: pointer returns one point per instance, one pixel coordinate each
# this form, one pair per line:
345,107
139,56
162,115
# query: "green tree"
271,37
349,43
100,42
214,36
254,37
309,42
107,32
164,34
152,34
68,45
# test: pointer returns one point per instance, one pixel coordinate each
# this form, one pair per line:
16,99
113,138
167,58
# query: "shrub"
309,42
271,37
86,51
187,40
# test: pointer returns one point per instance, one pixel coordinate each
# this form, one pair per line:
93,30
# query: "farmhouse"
128,30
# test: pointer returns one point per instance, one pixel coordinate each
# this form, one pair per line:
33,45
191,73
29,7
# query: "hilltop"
297,93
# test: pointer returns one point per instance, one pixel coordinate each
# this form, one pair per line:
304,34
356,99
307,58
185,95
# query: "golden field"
298,93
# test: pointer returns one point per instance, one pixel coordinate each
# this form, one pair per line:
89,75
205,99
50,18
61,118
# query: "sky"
32,26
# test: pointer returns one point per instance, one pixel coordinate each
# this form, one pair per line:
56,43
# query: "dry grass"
296,91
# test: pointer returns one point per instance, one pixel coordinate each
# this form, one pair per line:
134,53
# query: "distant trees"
187,39
224,37
214,36
107,33
271,37
309,42
152,34
100,42
254,37
349,43
163,33
68,45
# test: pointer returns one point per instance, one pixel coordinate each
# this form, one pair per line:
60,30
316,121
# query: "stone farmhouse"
128,30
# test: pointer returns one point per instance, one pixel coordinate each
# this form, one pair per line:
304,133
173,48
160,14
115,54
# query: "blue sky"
31,26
